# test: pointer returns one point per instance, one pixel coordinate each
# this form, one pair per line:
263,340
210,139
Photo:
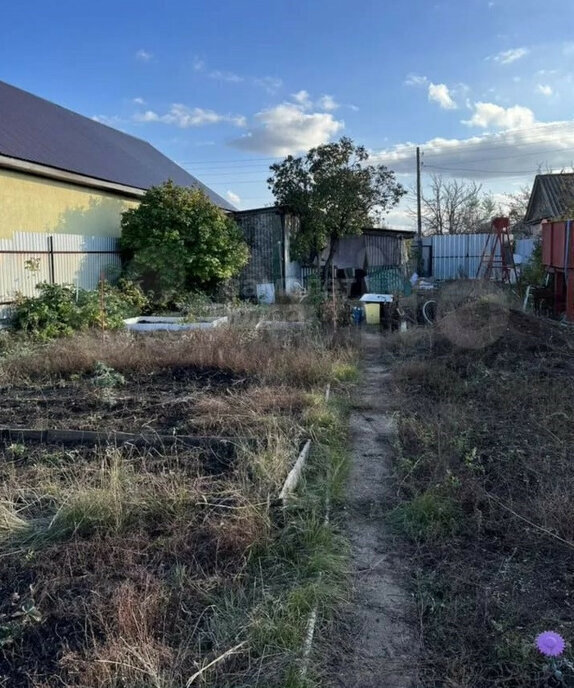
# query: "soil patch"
376,639
486,485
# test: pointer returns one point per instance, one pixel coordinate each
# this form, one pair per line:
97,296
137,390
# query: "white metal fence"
29,258
458,255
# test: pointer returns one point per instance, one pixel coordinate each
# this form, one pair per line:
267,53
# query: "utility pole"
419,215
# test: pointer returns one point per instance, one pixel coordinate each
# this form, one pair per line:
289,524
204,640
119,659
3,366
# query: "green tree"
335,192
178,240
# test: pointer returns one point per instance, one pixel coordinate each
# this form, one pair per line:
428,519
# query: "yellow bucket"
372,312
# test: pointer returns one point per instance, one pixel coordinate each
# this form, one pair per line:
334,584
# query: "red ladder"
497,257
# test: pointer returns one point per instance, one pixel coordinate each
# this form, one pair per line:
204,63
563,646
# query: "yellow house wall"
35,204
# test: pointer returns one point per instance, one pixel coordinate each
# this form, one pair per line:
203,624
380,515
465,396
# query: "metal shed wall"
263,232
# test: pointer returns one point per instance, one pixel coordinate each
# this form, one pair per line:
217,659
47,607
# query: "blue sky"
485,87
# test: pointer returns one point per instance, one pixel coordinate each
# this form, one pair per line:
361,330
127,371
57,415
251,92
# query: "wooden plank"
91,437
295,473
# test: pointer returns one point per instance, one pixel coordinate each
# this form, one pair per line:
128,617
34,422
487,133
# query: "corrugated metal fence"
524,248
458,256
30,258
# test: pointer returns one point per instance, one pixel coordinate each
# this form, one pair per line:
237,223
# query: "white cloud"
198,65
487,115
110,121
288,128
568,48
327,102
513,153
509,56
302,98
544,89
185,117
233,197
138,101
270,83
416,80
143,55
440,94
231,77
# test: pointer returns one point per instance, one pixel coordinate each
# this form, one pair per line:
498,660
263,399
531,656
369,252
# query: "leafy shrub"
61,309
105,376
194,305
534,271
177,240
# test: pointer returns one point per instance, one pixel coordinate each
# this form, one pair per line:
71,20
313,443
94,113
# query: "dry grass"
123,567
125,559
487,490
302,360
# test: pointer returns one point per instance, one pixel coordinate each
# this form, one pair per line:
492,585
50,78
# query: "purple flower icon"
550,643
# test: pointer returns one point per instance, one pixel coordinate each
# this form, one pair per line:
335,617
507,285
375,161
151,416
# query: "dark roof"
552,197
38,131
389,231
280,209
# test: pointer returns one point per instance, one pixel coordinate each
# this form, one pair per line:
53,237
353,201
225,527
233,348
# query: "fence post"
51,256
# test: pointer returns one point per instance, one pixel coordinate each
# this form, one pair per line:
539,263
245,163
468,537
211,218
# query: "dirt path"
378,639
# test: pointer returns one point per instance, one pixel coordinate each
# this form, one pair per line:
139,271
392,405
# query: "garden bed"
136,564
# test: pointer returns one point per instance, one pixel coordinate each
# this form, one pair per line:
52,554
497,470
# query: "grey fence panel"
524,248
28,258
23,263
458,256
84,260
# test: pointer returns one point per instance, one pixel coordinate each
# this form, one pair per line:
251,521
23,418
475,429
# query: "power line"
472,169
458,153
470,162
522,155
541,130
233,182
234,160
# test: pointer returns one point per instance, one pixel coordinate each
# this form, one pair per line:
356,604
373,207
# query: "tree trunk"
325,273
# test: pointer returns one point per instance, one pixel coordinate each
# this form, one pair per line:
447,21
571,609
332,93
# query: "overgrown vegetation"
335,192
534,271
168,565
486,485
178,241
61,309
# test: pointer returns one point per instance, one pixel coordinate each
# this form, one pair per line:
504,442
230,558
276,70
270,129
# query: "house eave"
56,174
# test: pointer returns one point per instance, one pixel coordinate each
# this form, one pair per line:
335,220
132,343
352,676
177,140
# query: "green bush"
534,271
61,309
178,241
